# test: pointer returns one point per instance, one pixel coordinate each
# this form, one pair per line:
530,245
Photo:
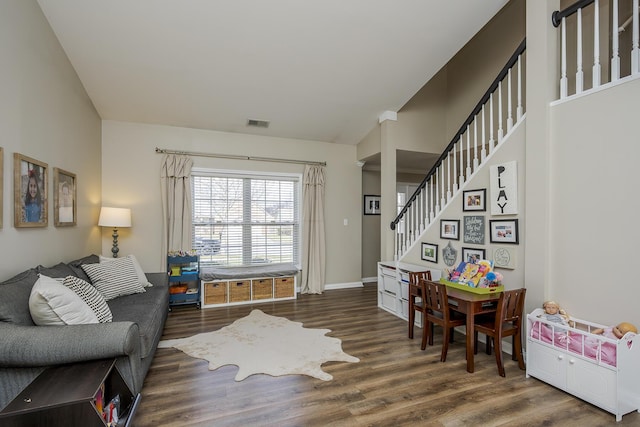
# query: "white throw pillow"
91,296
52,303
114,278
142,278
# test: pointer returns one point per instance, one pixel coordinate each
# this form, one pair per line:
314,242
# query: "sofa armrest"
31,346
158,279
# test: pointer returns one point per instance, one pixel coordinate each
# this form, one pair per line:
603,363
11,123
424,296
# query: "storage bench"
243,285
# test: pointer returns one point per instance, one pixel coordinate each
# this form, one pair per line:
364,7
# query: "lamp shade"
115,217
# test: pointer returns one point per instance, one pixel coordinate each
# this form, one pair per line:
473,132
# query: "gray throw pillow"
14,298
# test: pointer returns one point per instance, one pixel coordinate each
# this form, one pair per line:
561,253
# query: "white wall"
512,149
45,114
131,178
594,205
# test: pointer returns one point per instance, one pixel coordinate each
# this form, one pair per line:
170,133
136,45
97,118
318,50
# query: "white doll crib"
597,369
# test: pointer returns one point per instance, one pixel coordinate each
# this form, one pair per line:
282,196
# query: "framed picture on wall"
472,255
30,183
64,198
474,200
371,205
504,230
450,229
429,252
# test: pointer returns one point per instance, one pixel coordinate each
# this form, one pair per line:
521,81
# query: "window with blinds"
241,219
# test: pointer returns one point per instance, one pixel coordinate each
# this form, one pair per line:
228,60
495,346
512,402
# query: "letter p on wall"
503,180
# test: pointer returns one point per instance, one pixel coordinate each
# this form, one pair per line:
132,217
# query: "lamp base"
114,248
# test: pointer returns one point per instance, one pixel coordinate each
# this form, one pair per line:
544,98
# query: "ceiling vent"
258,123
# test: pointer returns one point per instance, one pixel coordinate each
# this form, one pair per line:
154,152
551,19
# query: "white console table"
393,286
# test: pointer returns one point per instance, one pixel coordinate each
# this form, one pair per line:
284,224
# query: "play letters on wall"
504,188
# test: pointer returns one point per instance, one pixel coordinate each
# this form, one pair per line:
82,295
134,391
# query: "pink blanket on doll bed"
573,342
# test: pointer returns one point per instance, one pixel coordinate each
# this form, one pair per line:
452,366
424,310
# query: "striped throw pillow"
114,279
91,296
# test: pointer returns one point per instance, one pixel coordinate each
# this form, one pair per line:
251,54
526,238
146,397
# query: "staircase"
488,125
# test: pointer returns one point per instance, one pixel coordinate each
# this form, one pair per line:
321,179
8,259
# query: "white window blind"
245,219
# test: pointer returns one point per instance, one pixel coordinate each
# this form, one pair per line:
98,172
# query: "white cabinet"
393,286
599,370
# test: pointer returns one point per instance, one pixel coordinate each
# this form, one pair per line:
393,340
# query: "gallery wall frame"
474,200
473,255
30,184
450,229
64,198
371,204
429,252
503,231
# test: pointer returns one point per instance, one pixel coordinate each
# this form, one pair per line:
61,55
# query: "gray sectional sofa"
131,338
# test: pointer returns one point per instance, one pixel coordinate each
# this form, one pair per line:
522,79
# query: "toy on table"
616,332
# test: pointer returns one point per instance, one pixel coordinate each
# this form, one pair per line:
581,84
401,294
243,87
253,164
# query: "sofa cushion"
52,303
60,270
149,310
114,278
76,266
142,278
14,298
91,296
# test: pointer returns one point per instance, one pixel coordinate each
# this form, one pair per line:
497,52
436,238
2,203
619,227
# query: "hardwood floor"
394,384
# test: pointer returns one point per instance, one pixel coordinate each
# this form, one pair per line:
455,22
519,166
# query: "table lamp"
116,218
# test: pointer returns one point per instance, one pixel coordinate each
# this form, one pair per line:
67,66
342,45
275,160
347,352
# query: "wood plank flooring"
394,384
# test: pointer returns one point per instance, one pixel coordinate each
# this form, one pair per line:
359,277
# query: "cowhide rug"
264,344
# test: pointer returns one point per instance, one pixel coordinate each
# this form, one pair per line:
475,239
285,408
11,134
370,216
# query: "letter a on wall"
504,188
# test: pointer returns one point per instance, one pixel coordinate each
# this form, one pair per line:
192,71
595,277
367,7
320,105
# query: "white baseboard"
369,279
343,286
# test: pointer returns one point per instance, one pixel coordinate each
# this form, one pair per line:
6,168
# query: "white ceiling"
317,69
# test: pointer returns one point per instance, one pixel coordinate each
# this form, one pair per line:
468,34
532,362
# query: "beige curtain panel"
313,234
175,182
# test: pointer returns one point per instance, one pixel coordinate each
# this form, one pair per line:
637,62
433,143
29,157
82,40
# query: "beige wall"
131,171
45,114
370,227
594,205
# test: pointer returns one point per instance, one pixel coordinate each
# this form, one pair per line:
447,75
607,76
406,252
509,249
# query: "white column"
455,172
475,143
468,153
461,180
492,141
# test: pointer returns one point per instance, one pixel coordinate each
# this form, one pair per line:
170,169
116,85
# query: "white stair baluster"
432,215
596,45
461,164
475,143
563,77
519,111
468,171
509,103
448,176
500,130
579,72
634,42
484,139
455,172
492,141
615,43
442,194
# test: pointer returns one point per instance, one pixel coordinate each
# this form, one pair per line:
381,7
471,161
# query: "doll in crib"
553,313
616,332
